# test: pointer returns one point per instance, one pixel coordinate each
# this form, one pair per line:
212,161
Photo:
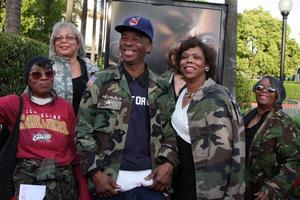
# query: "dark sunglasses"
261,88
39,75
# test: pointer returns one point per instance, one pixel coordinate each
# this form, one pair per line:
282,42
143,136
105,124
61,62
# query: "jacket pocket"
107,117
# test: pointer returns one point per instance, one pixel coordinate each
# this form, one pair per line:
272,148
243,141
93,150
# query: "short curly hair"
209,53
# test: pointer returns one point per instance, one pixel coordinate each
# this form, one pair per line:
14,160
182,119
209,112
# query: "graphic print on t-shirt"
33,119
139,100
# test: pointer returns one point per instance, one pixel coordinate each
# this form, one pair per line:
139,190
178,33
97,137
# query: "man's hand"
105,185
261,196
162,177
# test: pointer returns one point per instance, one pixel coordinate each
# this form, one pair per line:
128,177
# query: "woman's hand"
261,196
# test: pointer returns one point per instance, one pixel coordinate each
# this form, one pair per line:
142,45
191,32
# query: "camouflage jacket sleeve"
287,132
218,145
236,186
85,141
168,150
163,141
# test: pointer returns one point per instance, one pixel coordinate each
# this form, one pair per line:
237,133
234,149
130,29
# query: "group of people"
128,133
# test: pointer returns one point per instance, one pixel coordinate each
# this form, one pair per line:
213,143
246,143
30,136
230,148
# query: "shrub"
244,94
297,119
292,90
15,50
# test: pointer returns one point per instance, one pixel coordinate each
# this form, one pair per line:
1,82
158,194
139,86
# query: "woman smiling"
210,130
73,68
272,145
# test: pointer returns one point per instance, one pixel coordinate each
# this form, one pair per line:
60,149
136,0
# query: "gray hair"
277,85
56,28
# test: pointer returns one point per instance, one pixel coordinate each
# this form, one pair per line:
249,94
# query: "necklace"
190,95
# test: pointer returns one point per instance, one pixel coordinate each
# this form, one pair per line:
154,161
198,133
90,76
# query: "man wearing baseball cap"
127,146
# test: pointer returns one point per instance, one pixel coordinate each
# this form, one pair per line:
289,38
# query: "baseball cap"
137,23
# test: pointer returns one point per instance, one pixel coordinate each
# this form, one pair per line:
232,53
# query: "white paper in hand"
32,192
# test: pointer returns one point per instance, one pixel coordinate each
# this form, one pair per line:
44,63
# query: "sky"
272,6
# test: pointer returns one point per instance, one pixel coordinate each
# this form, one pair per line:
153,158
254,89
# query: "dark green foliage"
297,119
38,18
292,90
15,50
244,92
259,45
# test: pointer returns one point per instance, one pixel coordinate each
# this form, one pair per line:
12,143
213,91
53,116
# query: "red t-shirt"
46,131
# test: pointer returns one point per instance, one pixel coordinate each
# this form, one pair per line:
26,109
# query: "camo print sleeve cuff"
90,162
168,153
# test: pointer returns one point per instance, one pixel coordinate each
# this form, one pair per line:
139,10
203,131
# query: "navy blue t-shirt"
136,154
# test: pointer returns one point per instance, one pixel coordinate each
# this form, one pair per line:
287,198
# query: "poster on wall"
172,21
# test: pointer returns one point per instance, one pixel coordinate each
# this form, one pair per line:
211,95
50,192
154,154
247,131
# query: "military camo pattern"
103,122
63,80
218,143
60,182
274,158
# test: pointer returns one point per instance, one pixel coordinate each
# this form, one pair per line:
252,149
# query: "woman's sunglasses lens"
271,90
36,75
39,75
49,74
259,87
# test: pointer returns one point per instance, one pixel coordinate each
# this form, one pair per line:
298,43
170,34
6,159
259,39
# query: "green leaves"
259,45
14,52
38,17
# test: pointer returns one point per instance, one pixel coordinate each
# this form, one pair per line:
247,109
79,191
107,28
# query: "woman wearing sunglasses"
272,145
45,150
73,68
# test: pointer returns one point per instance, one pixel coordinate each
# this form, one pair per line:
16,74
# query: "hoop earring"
206,69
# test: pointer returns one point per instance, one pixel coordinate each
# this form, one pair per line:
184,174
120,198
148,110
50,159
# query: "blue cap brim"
121,28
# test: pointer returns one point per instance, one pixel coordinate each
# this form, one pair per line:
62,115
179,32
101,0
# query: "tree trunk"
70,4
84,18
13,15
94,32
48,23
229,76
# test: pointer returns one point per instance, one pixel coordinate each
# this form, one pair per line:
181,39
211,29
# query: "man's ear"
148,47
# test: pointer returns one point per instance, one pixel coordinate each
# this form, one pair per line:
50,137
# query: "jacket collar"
152,77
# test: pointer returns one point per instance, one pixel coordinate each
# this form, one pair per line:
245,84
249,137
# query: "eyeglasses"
261,88
68,38
38,75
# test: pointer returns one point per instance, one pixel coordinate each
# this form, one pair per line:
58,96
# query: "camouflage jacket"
168,76
274,156
63,79
218,143
103,121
